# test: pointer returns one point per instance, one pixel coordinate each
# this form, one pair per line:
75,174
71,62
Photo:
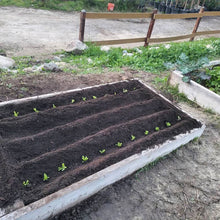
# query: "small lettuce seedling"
119,144
46,177
73,100
168,124
26,183
84,158
35,110
125,90
54,106
84,99
157,129
115,93
133,137
16,114
134,88
94,97
102,151
146,132
62,168
178,118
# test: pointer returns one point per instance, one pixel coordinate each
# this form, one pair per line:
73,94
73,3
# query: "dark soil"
36,143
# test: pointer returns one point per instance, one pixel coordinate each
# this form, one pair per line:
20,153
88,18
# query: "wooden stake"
197,23
150,29
82,25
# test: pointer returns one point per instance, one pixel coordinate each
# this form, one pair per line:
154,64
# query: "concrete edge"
196,92
77,192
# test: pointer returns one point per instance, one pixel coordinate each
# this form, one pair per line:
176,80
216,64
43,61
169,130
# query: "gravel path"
34,32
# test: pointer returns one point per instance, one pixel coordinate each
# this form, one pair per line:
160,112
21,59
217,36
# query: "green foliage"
102,151
94,97
157,129
54,106
35,110
133,137
84,99
26,183
146,132
62,167
178,118
168,124
72,101
214,82
119,144
125,90
16,114
84,158
46,177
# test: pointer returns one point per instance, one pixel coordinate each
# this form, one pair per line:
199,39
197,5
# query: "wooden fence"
153,16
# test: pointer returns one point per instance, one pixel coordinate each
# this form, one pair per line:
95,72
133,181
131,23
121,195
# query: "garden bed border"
69,196
196,92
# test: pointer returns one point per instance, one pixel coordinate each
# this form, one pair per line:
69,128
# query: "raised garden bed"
118,128
196,92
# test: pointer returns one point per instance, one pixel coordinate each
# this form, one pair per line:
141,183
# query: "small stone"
51,67
89,60
76,47
105,48
6,62
57,59
139,51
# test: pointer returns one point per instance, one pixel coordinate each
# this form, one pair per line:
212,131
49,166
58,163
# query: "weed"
146,132
84,99
102,151
26,183
46,177
84,158
168,124
72,101
35,110
62,168
157,129
119,144
16,114
133,137
54,106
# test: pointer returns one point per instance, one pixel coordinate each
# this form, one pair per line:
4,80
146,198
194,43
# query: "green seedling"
157,129
26,183
102,151
54,106
73,100
115,93
62,168
84,158
16,114
125,90
134,88
133,137
168,124
84,99
35,110
119,144
146,132
94,97
178,118
46,177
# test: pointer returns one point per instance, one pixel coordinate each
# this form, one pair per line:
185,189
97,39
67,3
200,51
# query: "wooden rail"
153,16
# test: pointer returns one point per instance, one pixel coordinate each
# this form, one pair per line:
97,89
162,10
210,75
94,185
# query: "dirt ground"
184,185
33,32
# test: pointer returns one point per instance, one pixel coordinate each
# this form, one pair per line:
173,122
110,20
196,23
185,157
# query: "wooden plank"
121,41
150,29
82,25
165,39
198,20
91,15
207,32
177,16
211,13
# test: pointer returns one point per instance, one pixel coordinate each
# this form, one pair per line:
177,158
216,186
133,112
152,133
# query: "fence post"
197,24
150,29
82,25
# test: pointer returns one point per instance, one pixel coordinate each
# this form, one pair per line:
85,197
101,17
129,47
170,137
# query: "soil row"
66,99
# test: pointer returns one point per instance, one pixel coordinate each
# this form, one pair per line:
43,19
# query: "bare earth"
184,185
33,32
